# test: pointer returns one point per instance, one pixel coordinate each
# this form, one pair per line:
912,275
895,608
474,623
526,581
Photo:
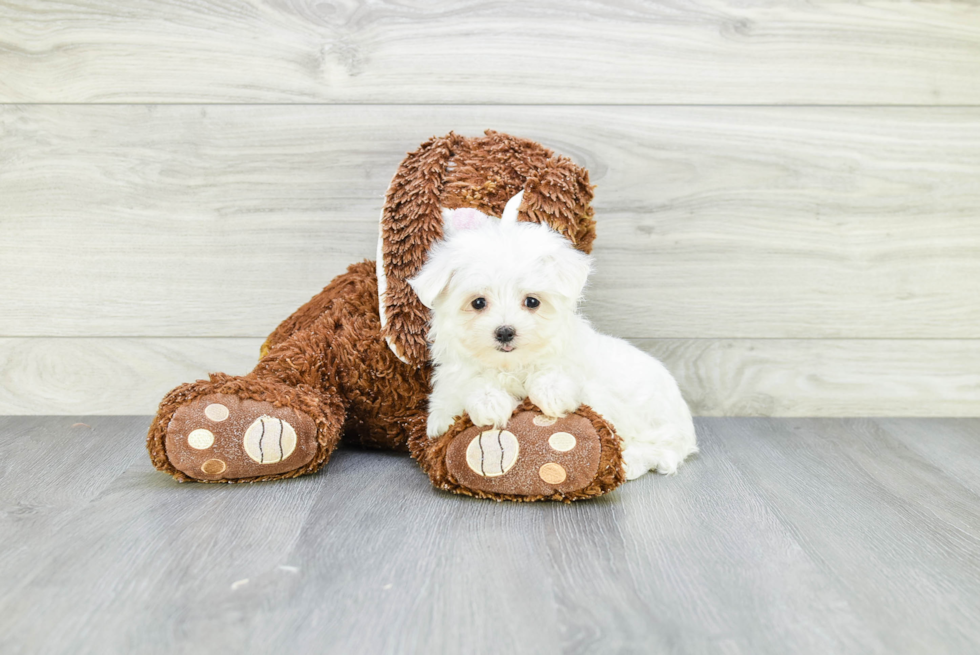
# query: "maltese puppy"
504,297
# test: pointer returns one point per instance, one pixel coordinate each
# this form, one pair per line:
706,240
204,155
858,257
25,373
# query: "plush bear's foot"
535,457
240,430
220,437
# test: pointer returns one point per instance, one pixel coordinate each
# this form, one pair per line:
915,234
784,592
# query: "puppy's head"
503,293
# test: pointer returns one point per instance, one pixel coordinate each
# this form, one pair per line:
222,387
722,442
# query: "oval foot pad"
533,456
222,437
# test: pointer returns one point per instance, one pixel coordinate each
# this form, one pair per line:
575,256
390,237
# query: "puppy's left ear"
433,279
569,271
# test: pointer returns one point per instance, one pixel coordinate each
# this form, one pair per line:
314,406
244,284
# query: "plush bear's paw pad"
222,437
536,455
492,453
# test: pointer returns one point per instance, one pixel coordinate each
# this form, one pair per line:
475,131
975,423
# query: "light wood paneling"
713,222
558,51
724,377
780,536
816,377
821,258
110,375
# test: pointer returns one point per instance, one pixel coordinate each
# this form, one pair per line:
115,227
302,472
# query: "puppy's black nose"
504,333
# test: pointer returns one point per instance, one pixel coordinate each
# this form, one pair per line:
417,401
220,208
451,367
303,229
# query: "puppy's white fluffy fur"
555,357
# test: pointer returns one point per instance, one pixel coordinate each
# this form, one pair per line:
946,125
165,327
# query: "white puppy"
504,296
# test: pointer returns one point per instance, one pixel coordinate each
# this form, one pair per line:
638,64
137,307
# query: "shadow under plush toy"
353,361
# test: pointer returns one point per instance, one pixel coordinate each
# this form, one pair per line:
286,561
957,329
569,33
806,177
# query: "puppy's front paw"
491,406
555,393
437,424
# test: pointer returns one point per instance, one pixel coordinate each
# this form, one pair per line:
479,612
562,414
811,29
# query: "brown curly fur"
330,358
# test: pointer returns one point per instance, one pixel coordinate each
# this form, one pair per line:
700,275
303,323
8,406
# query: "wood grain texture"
809,536
50,468
895,534
610,51
723,377
713,222
817,377
656,588
110,375
958,436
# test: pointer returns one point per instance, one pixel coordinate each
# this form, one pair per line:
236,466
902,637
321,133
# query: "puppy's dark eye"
479,303
531,302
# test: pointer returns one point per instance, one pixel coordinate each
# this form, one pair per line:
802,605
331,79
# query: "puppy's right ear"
433,279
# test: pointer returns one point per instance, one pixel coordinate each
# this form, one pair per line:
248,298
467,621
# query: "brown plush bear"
353,361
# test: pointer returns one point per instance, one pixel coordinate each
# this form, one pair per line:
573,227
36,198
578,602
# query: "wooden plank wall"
788,194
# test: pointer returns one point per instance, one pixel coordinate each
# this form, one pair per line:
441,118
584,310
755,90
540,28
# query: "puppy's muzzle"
504,334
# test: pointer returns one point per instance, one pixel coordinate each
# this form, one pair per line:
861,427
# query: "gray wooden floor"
783,536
